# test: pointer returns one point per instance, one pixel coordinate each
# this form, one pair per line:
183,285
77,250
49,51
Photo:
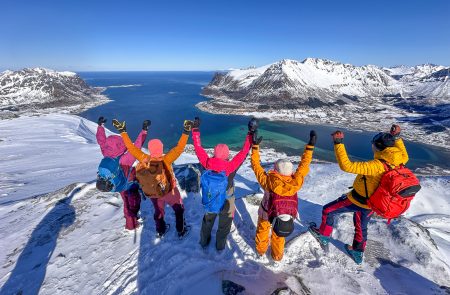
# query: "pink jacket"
220,165
113,146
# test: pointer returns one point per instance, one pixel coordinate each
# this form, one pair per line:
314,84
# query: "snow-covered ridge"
39,88
70,238
321,91
319,78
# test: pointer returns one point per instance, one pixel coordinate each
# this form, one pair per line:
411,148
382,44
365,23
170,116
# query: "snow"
71,239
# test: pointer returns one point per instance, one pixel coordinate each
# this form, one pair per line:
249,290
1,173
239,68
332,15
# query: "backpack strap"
365,186
387,167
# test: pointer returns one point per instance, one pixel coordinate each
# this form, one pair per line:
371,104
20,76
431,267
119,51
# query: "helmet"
383,140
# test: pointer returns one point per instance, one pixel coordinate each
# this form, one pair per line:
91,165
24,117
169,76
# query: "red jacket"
216,164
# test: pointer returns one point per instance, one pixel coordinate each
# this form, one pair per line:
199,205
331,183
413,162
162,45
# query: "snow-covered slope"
320,91
407,74
71,240
40,88
290,81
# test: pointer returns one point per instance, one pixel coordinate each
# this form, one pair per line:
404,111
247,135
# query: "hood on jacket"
392,155
155,148
114,146
283,185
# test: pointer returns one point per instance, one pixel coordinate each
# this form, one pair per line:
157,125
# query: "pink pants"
174,200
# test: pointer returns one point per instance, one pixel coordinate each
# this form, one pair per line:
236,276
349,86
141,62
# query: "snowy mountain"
39,88
313,82
62,236
407,74
320,91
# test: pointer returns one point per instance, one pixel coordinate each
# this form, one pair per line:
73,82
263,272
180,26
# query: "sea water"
168,98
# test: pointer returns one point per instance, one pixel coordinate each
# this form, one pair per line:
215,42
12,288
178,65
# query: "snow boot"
357,256
185,232
323,240
161,235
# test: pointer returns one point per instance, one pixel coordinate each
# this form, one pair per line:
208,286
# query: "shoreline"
30,110
225,106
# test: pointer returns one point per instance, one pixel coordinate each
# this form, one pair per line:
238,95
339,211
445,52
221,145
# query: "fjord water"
168,98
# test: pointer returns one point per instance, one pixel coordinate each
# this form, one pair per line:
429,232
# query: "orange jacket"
168,158
274,182
372,170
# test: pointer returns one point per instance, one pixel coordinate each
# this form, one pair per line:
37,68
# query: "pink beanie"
155,147
221,151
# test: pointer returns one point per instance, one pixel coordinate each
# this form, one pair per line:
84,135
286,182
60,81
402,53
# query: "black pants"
225,220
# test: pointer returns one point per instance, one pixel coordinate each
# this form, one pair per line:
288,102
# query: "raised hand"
338,137
187,125
395,131
101,121
255,139
253,125
120,126
146,124
196,123
312,137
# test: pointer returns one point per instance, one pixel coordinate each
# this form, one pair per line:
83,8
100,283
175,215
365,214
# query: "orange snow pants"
262,240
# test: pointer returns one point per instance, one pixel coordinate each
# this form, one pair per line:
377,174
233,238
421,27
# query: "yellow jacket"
370,170
274,182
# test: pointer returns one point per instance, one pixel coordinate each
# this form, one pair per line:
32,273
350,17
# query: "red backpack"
282,205
397,188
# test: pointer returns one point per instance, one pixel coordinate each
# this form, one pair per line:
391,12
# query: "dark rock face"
42,88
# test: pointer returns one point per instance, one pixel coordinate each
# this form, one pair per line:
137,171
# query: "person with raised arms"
156,177
116,172
389,152
217,184
279,205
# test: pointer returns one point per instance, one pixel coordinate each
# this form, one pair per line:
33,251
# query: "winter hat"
383,140
284,167
221,151
155,147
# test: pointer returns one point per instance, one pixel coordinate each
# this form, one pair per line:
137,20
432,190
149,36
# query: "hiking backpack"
154,178
282,212
109,170
395,192
214,190
279,205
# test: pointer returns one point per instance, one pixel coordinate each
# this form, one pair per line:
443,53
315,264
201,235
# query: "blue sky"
209,35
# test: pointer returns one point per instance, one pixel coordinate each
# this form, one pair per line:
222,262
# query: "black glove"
187,126
312,137
120,126
253,125
101,121
146,124
255,139
338,137
196,123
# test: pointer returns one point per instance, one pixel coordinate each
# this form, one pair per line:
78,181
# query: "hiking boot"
161,235
357,256
185,232
323,240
